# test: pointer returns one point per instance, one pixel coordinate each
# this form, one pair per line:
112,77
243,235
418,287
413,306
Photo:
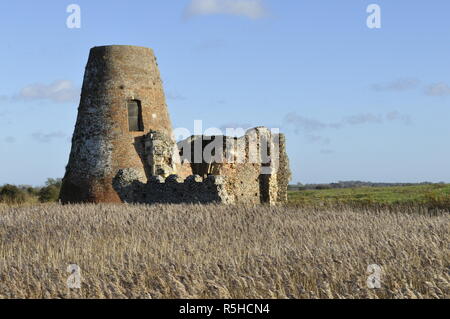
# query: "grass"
432,196
194,251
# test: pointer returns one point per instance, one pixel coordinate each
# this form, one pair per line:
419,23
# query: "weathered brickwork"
256,165
102,142
123,150
173,189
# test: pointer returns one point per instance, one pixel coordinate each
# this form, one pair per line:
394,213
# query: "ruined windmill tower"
121,100
123,149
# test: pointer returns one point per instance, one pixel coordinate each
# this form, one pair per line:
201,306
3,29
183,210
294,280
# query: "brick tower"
122,98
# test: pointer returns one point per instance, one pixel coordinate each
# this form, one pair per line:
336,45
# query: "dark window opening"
135,123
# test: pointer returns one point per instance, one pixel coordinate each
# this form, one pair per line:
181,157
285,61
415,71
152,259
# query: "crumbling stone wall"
162,156
256,165
173,189
251,169
283,175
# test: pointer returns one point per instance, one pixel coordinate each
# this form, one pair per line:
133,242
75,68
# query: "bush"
57,182
31,191
22,194
437,201
10,194
323,186
49,194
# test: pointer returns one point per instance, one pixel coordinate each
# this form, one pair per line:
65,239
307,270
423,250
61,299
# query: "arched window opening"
135,123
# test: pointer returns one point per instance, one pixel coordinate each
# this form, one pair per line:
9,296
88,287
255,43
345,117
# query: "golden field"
194,251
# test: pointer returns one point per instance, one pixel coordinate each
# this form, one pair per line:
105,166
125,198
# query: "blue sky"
355,103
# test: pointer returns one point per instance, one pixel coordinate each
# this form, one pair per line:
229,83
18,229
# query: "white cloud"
399,85
170,95
253,9
301,123
438,89
59,91
308,126
363,119
397,116
47,137
10,139
407,84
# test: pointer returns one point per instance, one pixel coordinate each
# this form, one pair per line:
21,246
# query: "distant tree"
323,186
10,194
50,193
54,182
32,191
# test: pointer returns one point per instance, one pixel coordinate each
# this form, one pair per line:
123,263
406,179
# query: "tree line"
21,194
351,184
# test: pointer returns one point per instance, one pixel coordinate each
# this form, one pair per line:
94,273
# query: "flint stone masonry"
173,189
123,151
256,165
161,153
102,142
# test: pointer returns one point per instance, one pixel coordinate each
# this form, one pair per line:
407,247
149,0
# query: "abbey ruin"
123,148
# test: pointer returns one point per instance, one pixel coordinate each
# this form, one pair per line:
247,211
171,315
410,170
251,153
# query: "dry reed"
194,251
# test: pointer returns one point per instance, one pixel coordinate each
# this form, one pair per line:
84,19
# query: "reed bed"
211,251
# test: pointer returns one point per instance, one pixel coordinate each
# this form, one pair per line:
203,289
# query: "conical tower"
121,100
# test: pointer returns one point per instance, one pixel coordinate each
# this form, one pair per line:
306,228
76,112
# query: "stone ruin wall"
172,190
175,179
245,180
